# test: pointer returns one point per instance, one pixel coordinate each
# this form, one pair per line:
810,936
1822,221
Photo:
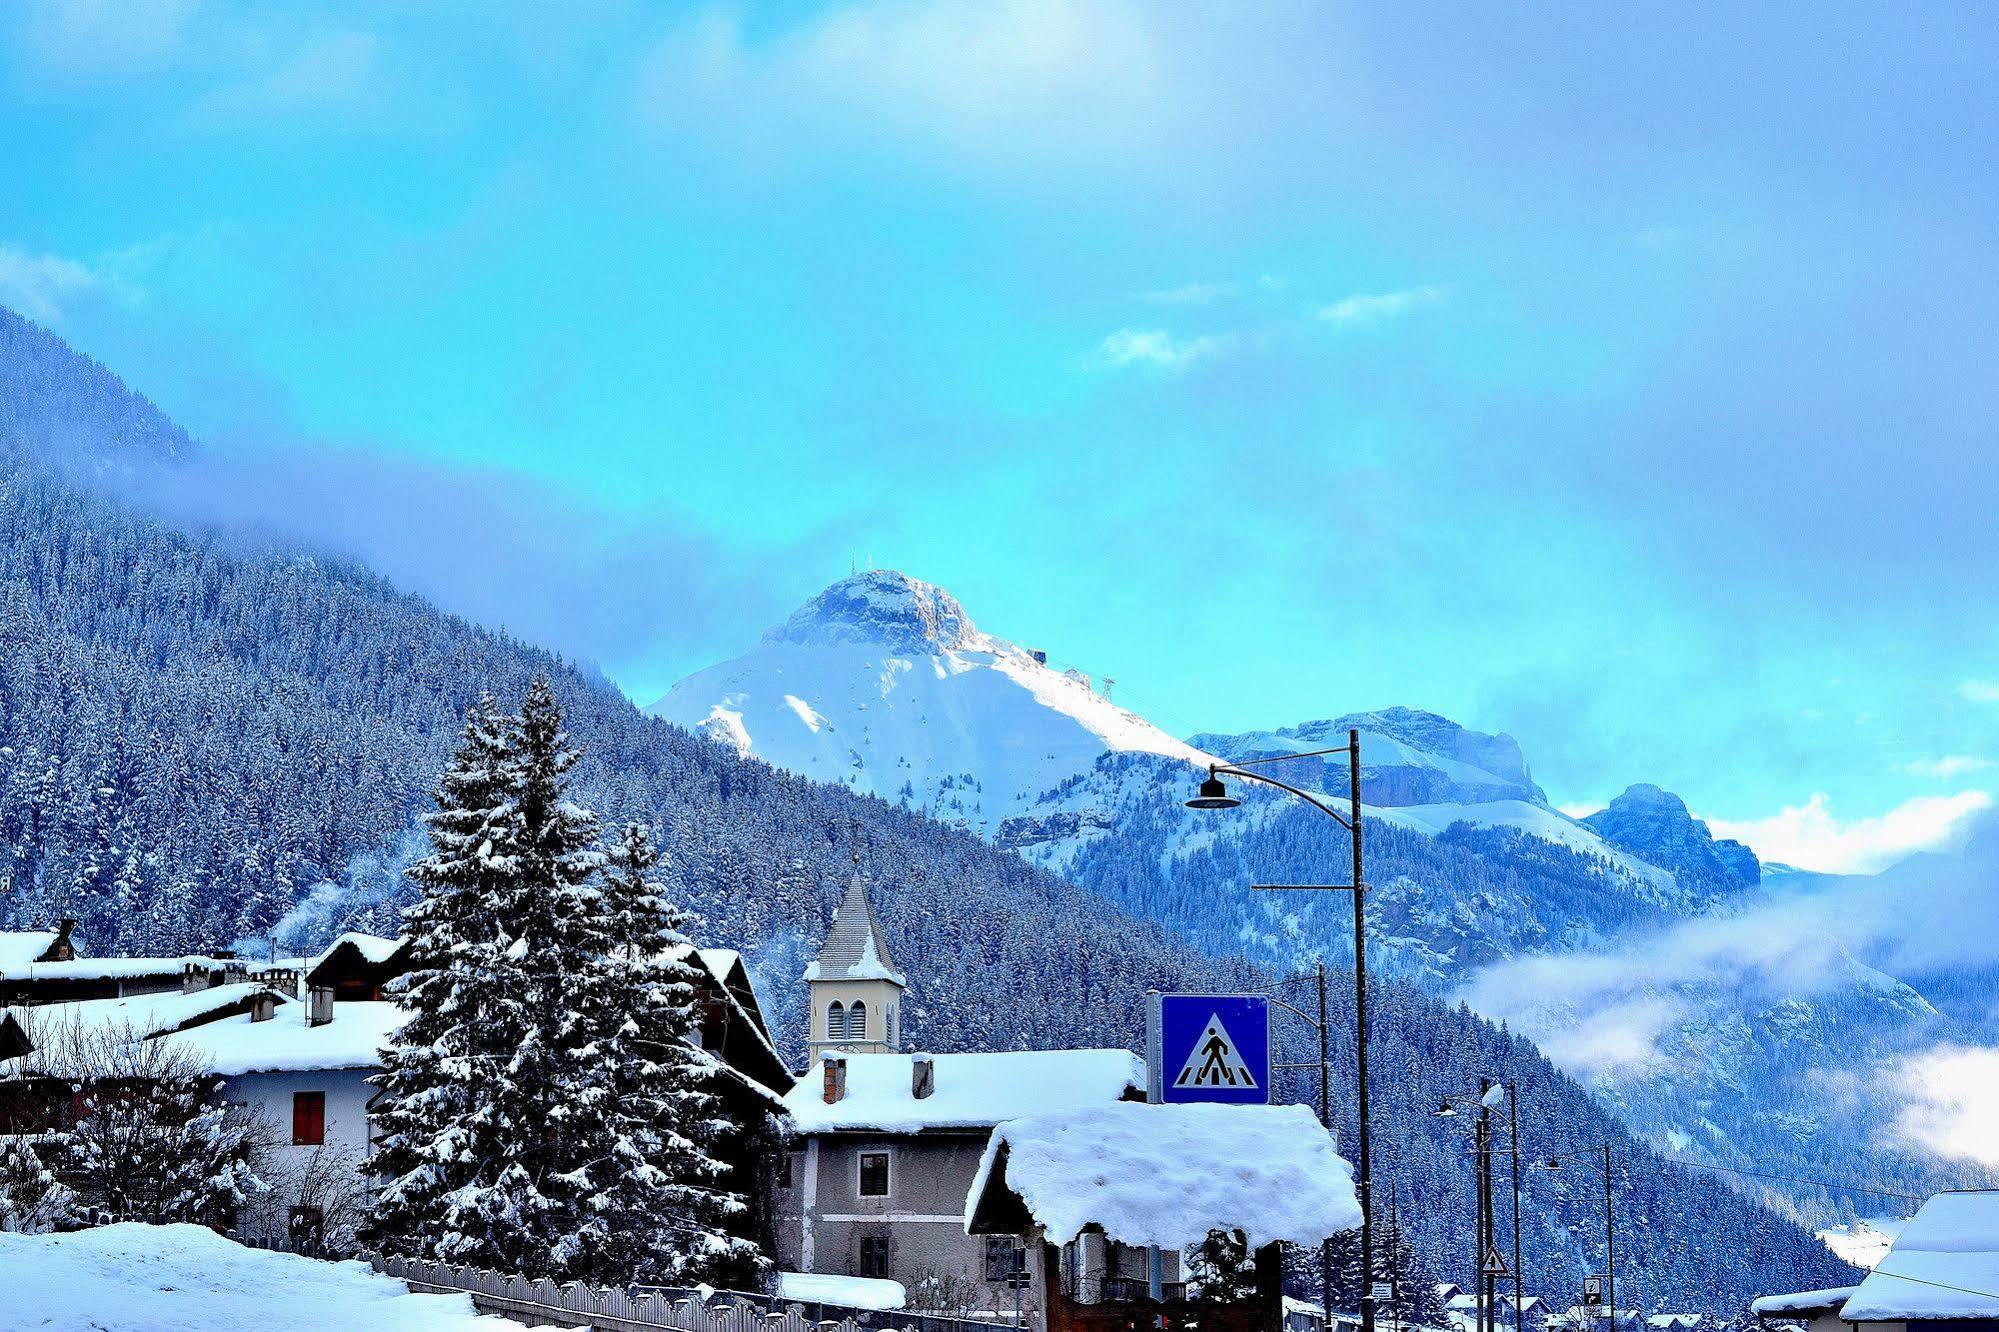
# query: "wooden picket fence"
542,1302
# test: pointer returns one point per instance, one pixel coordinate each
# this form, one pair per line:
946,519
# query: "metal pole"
1360,1039
1519,1278
1486,1319
1609,1240
1326,1122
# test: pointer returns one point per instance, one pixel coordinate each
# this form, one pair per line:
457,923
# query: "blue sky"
1620,377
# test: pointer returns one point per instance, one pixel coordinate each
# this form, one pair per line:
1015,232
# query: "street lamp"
1609,1231
1488,1225
1214,794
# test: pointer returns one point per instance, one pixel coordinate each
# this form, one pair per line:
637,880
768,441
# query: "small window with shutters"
876,1254
308,1118
857,1021
836,1022
874,1174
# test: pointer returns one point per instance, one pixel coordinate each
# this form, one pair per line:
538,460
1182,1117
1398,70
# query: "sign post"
1593,1293
1204,1047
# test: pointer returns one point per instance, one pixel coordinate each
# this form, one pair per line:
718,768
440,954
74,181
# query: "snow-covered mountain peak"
1655,824
883,684
1409,757
882,606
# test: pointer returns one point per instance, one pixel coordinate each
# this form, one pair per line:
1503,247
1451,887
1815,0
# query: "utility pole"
1609,1240
1325,1122
1519,1277
1360,1032
1486,1320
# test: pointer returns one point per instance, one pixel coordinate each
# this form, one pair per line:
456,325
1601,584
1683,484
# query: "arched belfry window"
857,1021
836,1022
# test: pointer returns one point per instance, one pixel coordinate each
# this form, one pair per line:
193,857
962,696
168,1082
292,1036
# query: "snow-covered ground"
137,1278
1866,1241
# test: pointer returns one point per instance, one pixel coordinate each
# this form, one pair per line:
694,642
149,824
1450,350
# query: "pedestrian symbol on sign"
1214,1061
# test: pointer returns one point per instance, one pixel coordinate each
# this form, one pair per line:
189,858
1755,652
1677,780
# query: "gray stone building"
887,1143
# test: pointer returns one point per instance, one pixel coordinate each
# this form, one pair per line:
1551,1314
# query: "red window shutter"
308,1118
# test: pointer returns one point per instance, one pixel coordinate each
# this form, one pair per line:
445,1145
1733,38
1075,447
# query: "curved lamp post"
1214,794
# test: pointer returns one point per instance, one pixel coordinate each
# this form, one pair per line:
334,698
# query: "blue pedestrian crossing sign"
1210,1047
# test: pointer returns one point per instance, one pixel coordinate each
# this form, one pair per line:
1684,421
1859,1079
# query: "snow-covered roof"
1166,1175
373,948
284,1043
852,1291
106,968
854,947
720,961
970,1091
142,1015
1941,1266
1803,1303
19,948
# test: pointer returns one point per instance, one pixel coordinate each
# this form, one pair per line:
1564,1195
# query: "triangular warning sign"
1495,1263
1214,1061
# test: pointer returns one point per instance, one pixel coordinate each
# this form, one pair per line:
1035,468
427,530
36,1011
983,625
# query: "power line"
1940,1285
1795,1179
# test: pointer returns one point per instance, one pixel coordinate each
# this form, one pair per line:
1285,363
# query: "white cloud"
1979,691
1952,1101
1810,836
1946,766
1155,347
1366,308
334,71
37,285
78,38
1023,81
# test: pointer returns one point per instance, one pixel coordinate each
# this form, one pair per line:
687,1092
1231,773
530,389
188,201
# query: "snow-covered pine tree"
438,1135
556,984
672,1212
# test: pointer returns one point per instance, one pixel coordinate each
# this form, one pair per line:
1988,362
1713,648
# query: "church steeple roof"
854,947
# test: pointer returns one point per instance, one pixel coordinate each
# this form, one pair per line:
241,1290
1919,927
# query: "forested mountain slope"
202,738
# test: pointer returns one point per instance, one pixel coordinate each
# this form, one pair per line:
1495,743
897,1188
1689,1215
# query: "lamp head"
1446,1111
1213,795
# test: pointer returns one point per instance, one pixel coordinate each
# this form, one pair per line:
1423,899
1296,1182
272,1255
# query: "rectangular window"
874,1174
1006,1261
308,1118
874,1255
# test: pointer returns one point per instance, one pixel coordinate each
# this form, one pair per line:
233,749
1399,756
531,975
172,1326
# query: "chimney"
62,950
319,1006
193,978
234,972
836,1078
262,1006
922,1076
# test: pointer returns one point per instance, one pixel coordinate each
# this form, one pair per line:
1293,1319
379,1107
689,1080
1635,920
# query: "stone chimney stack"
319,1006
262,1007
922,1076
193,978
836,1078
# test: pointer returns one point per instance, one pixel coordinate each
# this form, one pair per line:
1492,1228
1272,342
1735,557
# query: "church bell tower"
855,990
